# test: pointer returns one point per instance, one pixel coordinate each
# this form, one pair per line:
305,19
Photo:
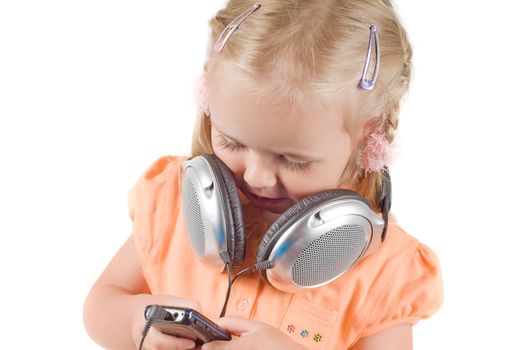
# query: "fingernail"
190,345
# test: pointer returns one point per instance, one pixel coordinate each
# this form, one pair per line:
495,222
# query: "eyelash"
230,146
294,166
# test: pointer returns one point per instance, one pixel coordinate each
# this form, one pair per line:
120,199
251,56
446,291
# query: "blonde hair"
318,48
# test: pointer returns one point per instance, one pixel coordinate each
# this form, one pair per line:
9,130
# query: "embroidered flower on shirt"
304,333
317,338
291,328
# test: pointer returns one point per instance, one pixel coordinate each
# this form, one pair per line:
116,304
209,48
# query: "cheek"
299,186
233,160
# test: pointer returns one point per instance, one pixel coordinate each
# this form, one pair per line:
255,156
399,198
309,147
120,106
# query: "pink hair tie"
377,153
201,95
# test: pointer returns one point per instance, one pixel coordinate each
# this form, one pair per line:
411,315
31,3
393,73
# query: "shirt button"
242,303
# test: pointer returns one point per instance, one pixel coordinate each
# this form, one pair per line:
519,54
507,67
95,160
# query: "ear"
369,127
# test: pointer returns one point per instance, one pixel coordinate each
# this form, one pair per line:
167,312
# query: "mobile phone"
185,322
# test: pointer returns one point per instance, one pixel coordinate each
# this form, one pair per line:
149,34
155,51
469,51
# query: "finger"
215,345
163,344
237,326
160,341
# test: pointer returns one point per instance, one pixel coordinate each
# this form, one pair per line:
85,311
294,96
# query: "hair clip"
227,32
364,83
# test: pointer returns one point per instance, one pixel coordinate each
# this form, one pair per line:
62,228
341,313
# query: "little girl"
297,97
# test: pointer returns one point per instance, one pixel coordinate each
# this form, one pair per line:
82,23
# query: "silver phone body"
185,323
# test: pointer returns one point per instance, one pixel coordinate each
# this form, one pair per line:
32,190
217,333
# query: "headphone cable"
148,324
264,265
227,295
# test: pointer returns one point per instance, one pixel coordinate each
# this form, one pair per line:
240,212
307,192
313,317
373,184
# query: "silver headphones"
311,244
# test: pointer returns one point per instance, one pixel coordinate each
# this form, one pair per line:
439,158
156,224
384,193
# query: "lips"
273,205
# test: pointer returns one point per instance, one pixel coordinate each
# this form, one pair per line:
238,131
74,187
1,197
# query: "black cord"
228,294
148,324
385,199
250,268
264,265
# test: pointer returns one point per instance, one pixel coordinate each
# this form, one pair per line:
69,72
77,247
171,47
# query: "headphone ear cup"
232,209
279,227
309,252
212,214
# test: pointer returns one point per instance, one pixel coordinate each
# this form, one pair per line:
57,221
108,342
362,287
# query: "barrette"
364,83
227,32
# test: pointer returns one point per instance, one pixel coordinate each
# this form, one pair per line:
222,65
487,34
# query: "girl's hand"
155,340
252,335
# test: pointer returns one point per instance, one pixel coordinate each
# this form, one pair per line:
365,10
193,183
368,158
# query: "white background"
91,92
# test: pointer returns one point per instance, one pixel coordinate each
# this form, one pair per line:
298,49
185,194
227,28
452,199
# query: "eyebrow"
301,156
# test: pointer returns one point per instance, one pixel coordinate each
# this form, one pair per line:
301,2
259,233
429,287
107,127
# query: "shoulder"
163,166
153,200
406,283
154,181
406,254
396,248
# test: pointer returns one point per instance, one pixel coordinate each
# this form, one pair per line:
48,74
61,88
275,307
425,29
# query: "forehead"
256,113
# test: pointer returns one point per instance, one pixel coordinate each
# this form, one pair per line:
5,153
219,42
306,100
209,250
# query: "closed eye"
230,146
294,165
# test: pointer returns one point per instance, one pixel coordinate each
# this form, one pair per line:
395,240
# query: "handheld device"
184,322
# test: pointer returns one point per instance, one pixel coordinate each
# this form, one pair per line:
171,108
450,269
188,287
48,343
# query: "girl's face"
278,152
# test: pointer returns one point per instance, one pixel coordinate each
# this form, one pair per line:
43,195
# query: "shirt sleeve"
153,202
413,292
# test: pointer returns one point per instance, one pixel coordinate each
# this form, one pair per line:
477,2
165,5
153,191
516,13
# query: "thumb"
236,326
215,345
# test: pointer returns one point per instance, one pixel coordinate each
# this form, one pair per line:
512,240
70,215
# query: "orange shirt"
400,283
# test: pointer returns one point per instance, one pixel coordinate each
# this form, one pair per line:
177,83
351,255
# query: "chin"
270,217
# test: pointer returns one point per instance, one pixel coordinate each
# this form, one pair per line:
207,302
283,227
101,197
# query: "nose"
259,173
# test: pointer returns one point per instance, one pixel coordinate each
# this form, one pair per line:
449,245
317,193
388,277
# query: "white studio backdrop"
92,92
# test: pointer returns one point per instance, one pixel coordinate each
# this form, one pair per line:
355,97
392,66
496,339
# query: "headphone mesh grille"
192,213
329,255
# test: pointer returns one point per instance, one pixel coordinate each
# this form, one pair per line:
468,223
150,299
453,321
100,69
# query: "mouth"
273,205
